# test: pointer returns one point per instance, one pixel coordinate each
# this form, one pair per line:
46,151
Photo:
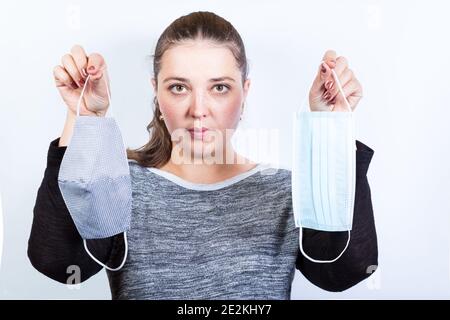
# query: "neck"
209,173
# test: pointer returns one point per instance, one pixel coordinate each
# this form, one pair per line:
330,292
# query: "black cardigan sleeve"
55,248
361,257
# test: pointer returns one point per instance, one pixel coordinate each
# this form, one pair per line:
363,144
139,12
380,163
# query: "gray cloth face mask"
94,179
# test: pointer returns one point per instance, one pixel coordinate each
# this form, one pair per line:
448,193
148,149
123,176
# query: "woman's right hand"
70,78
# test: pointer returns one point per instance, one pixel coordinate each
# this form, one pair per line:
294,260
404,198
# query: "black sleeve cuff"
55,155
364,156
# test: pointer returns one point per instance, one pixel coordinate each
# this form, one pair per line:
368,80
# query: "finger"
62,78
317,88
80,58
356,95
95,66
323,74
330,58
71,68
352,91
345,77
341,65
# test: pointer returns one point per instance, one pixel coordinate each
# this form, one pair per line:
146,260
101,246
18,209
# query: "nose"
199,107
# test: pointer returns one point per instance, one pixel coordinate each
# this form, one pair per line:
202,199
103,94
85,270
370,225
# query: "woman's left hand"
325,95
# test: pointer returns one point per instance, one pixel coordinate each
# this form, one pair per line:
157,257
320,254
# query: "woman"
202,230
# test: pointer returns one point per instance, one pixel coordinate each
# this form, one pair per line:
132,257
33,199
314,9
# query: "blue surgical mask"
94,179
323,171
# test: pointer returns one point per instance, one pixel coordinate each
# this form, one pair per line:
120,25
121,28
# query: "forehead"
198,59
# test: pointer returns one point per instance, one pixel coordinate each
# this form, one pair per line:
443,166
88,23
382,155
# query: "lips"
199,130
198,133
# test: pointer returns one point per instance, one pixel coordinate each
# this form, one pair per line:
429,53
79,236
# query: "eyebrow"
187,81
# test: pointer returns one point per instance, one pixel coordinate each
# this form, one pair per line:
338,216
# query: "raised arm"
55,248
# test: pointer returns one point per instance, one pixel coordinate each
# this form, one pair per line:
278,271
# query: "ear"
246,87
153,81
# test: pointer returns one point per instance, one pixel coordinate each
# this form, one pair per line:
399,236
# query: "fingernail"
326,96
327,84
331,85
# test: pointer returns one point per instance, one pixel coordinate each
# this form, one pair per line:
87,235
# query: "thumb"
96,69
328,63
323,75
95,66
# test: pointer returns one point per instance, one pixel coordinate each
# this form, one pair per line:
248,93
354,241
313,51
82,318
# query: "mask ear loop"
82,92
124,234
349,212
104,265
338,83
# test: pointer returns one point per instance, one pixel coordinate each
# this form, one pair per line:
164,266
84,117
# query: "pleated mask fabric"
324,171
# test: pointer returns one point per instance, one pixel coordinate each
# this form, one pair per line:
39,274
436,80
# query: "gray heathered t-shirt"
235,239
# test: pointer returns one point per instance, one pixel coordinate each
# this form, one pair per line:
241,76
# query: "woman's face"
200,86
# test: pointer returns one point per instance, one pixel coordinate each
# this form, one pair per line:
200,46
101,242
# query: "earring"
161,117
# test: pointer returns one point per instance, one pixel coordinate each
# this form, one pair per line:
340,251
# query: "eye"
222,88
177,90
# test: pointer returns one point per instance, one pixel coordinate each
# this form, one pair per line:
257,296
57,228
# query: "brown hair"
196,25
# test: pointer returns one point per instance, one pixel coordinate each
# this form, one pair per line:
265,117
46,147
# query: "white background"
399,50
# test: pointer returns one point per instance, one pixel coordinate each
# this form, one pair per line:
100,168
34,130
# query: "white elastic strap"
338,83
341,90
320,261
104,265
82,92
